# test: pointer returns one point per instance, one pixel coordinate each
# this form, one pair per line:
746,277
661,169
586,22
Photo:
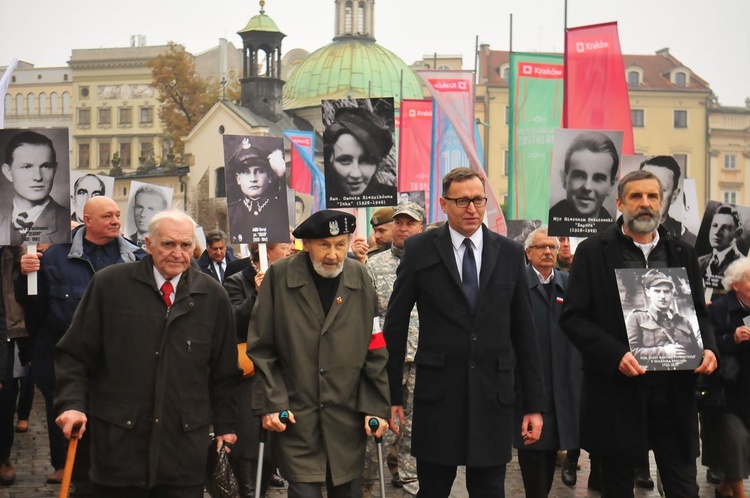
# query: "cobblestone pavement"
31,460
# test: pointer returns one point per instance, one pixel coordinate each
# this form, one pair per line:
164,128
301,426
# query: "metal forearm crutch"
263,436
374,425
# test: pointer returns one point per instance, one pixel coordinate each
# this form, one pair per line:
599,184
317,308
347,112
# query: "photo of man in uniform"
724,230
30,213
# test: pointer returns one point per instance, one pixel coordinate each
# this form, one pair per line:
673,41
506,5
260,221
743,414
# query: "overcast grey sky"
710,38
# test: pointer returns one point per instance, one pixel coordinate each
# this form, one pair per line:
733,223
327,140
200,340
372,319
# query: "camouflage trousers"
396,448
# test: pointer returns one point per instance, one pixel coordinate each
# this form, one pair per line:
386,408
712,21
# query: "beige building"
729,153
668,106
38,97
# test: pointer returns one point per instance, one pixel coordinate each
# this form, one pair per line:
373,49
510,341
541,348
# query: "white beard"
326,272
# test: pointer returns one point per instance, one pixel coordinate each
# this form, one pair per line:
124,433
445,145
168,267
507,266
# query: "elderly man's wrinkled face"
327,255
353,165
543,253
171,247
722,231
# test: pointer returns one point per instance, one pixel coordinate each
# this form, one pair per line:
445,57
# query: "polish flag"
377,340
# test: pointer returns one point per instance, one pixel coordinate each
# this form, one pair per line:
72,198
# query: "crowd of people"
460,343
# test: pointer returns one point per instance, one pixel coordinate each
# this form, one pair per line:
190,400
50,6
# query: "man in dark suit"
216,256
30,164
476,332
625,411
561,364
726,227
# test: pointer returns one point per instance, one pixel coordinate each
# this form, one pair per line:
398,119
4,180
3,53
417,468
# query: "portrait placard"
660,318
358,153
144,201
417,196
583,183
256,189
723,238
302,205
83,186
34,186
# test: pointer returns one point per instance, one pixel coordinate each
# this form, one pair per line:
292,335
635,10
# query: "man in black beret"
318,351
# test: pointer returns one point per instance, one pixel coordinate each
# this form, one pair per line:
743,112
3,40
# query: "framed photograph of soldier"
660,318
722,239
671,173
83,186
256,189
519,230
301,205
144,201
34,186
358,153
583,183
417,196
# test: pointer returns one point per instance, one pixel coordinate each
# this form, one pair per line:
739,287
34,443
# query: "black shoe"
714,476
396,481
595,476
569,473
277,481
643,479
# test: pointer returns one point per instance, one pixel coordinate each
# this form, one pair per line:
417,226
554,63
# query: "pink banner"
415,139
596,91
300,178
453,92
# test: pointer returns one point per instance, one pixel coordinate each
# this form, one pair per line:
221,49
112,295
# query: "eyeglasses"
542,247
463,202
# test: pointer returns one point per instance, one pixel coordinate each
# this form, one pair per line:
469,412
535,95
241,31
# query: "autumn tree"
184,95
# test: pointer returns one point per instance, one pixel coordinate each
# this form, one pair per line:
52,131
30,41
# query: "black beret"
324,224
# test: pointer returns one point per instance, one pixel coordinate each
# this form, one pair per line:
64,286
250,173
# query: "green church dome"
260,22
350,67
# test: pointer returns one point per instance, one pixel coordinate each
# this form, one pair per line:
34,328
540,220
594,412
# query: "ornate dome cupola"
355,18
262,85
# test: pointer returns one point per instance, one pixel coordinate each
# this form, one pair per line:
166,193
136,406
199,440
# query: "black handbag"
220,480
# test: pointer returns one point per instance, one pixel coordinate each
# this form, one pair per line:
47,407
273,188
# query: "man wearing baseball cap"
319,353
407,220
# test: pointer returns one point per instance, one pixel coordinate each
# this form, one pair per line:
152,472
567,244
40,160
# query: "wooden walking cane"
69,461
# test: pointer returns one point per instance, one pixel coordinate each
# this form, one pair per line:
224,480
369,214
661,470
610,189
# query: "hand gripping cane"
69,461
374,425
263,436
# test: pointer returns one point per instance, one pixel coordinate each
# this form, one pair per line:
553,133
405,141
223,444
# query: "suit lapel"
342,297
444,247
299,277
490,254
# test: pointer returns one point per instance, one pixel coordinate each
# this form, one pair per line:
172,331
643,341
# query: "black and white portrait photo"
301,206
723,238
360,165
660,318
256,189
144,201
417,196
34,195
84,186
583,189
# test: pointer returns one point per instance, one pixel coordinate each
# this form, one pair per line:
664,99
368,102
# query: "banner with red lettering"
415,141
596,91
453,92
536,94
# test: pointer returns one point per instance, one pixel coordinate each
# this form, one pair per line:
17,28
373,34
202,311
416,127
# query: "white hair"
172,215
735,273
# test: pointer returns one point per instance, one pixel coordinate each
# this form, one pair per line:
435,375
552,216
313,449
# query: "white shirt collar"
32,213
477,239
160,281
541,278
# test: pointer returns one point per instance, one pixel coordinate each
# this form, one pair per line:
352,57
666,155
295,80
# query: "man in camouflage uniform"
408,219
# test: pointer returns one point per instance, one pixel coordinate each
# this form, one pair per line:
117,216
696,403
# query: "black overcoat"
466,363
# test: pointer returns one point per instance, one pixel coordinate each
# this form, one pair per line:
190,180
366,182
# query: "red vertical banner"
415,141
596,91
300,178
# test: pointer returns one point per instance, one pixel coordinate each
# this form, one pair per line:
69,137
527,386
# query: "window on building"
8,104
730,161
348,14
84,92
66,103
221,185
634,79
31,104
147,149
507,114
680,119
680,79
84,117
54,104
636,116
506,162
730,196
361,18
43,104
506,74
126,115
125,154
83,155
104,155
19,104
147,115
105,116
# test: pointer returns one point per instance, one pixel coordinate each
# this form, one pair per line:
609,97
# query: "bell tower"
261,66
355,18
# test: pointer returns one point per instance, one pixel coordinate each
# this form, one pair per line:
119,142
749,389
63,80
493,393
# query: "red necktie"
166,293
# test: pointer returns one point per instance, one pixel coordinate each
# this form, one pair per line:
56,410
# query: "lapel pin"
339,300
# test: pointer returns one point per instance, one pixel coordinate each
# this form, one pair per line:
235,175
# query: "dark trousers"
678,472
436,481
162,491
25,396
537,471
7,404
44,378
351,489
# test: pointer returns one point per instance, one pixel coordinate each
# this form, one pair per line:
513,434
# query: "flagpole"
565,67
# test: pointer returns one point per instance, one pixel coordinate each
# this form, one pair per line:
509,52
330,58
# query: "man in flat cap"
318,351
260,214
382,230
659,332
